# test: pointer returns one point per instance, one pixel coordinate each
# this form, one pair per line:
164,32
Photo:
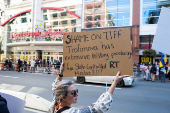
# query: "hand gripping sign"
97,53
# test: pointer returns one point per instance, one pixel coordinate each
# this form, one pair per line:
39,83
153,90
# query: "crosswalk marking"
4,86
11,87
36,90
8,76
18,88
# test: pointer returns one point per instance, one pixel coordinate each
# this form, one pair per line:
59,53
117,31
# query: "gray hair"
61,91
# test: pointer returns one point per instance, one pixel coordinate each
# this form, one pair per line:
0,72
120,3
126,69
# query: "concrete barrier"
32,101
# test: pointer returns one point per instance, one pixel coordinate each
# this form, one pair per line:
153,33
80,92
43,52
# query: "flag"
165,58
161,63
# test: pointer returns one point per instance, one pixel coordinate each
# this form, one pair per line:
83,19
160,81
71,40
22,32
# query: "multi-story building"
2,7
140,15
34,28
58,17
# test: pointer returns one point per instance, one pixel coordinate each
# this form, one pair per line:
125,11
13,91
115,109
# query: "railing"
49,69
32,69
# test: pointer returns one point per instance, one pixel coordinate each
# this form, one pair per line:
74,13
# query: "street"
143,97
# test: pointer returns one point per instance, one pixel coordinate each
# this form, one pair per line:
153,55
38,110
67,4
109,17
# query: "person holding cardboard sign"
65,94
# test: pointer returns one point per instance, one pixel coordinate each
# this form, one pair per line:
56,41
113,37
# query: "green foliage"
149,52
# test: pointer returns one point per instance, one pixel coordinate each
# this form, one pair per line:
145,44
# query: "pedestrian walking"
19,65
162,74
32,65
25,65
6,63
10,64
147,73
138,69
56,66
143,71
153,72
65,94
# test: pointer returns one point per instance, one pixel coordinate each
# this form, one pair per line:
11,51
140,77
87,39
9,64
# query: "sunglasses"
74,92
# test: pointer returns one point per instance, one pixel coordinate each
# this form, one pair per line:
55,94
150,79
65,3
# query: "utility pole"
149,46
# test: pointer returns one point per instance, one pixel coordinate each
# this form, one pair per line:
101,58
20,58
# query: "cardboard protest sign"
161,38
97,53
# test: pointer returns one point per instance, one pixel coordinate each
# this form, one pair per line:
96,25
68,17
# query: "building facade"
34,28
141,15
31,29
2,8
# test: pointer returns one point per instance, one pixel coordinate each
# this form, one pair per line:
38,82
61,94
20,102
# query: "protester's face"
70,98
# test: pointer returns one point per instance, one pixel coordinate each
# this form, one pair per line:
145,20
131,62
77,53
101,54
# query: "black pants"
19,68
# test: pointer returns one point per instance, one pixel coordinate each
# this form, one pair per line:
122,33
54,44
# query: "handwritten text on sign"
97,53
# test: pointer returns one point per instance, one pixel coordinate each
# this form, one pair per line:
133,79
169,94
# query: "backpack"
3,105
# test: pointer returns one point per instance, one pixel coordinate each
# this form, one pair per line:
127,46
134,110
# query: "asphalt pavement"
142,97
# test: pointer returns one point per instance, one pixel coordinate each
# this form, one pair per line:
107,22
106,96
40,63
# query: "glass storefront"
106,13
151,10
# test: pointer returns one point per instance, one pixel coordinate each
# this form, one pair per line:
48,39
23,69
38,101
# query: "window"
74,29
145,39
97,25
73,21
89,18
89,7
64,22
55,23
55,15
88,25
24,14
64,14
23,20
45,17
151,10
97,18
151,20
30,20
44,11
73,11
72,8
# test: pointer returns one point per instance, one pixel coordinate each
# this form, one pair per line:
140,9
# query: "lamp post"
149,46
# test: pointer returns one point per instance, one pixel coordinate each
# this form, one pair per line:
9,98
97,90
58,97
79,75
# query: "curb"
32,101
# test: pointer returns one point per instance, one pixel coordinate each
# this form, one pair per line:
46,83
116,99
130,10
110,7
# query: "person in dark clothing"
3,105
25,65
153,72
138,69
57,65
19,64
10,64
168,71
6,63
48,63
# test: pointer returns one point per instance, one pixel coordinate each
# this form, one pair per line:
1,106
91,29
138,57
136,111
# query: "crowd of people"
32,64
150,72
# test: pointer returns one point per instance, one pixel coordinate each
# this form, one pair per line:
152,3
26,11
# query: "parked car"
127,81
